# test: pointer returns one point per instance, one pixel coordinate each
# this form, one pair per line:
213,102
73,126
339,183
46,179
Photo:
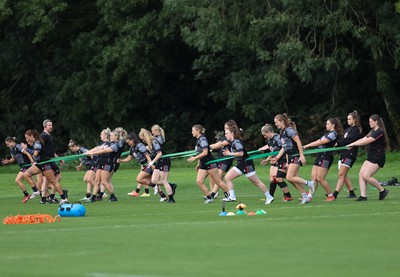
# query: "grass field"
142,237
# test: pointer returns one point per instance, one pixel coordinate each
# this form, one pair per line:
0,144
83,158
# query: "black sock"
25,193
112,195
335,193
147,191
100,194
137,190
287,194
52,196
43,199
351,192
62,196
34,189
88,195
162,194
272,188
171,197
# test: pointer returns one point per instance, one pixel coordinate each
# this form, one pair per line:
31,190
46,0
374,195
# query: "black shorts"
323,160
347,161
208,166
225,165
377,159
295,160
163,164
246,167
47,166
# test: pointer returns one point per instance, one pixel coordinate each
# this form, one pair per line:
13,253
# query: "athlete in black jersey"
222,144
242,167
203,155
348,156
154,147
163,166
23,158
377,141
106,164
277,171
43,165
324,160
85,162
292,147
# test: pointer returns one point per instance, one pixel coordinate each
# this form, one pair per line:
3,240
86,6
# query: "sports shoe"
383,194
229,199
204,197
305,200
52,200
287,199
269,201
351,196
145,194
163,199
65,191
170,201
133,194
155,190
311,185
216,195
105,195
86,200
209,200
62,201
330,198
362,198
113,199
34,194
173,187
26,198
43,203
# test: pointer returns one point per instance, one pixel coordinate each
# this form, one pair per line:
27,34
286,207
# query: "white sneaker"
163,199
269,201
34,194
305,200
62,201
229,199
85,199
311,185
208,201
155,190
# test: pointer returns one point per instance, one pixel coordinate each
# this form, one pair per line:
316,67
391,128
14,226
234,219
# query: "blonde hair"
160,130
267,128
107,132
147,137
121,133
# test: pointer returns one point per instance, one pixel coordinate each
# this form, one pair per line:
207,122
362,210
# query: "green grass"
142,237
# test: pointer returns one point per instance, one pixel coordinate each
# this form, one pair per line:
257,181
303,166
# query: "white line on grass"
94,274
157,225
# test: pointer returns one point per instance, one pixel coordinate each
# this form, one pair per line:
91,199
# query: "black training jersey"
275,143
225,147
379,145
139,152
109,157
48,147
351,134
237,146
20,158
156,148
201,144
288,144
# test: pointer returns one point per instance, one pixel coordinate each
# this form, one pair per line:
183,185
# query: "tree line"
88,65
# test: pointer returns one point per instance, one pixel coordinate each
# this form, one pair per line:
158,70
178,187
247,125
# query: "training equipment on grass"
31,219
240,207
71,210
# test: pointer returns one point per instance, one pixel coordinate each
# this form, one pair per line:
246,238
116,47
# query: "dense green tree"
92,64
